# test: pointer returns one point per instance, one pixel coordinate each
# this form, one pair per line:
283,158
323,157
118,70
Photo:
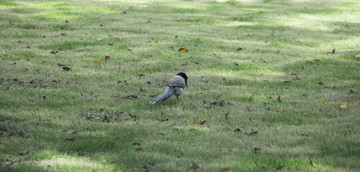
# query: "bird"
175,85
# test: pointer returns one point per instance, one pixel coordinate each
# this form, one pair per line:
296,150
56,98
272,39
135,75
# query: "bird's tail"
167,94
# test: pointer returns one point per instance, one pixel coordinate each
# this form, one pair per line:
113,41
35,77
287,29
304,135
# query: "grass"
242,54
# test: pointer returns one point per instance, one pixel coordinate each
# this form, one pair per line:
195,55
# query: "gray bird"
175,86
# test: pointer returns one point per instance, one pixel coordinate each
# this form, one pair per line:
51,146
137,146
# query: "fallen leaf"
280,110
54,52
65,68
194,166
183,50
139,149
280,167
249,109
252,133
196,121
330,87
237,130
345,106
66,21
111,44
132,116
156,42
228,170
98,61
323,100
312,163
255,150
76,39
107,57
23,153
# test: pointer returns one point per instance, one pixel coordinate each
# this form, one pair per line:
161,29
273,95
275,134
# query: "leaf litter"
107,117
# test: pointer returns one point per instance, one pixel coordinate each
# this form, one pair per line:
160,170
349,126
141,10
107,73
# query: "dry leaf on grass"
323,100
183,50
330,87
196,121
98,61
345,106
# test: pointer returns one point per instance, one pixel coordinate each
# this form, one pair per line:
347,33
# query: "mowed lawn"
266,82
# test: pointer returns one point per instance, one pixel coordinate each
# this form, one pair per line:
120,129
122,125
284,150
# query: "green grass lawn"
258,70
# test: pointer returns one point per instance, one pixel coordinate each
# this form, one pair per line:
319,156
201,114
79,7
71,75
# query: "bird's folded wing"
176,84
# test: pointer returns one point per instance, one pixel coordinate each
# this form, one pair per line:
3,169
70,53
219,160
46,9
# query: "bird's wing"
176,81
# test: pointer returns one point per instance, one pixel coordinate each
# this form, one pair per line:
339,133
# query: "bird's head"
183,75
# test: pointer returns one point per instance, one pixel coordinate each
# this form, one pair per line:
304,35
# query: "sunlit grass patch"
55,161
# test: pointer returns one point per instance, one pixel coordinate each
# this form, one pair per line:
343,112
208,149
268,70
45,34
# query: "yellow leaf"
345,106
323,100
196,121
156,42
330,87
98,61
76,39
191,123
183,50
107,57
